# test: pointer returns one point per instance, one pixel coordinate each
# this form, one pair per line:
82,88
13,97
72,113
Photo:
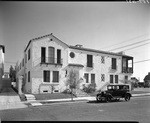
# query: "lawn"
48,96
52,96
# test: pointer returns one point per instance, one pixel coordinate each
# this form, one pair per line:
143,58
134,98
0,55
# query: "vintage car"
114,92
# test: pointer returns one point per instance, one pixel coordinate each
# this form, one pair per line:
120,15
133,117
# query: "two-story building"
2,51
46,63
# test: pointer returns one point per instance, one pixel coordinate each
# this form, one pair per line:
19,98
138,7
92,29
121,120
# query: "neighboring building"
46,62
2,51
6,75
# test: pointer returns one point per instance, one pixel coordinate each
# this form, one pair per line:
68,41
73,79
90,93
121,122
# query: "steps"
30,97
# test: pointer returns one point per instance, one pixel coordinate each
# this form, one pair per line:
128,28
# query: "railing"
50,60
127,70
113,69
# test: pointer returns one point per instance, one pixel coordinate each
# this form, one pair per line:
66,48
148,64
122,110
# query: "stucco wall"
37,70
98,67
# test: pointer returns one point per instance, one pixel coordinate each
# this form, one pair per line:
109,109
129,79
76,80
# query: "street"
137,109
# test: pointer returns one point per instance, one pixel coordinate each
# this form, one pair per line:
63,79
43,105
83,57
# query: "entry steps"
30,97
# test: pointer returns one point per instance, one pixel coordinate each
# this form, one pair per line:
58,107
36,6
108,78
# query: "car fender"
128,94
109,95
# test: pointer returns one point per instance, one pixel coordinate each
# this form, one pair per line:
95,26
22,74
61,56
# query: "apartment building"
46,63
2,51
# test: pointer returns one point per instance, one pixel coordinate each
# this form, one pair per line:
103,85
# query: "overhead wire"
136,46
125,41
142,61
130,45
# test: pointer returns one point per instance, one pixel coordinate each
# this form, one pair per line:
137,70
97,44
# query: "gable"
49,37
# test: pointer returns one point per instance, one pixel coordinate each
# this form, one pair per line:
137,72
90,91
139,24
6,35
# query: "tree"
12,74
147,80
72,81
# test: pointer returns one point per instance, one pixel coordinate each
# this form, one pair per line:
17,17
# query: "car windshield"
117,87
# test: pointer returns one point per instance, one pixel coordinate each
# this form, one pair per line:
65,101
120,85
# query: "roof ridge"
96,50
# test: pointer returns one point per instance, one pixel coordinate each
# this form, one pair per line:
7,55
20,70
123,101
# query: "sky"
96,25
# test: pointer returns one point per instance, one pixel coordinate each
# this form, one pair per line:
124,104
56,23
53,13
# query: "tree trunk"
71,94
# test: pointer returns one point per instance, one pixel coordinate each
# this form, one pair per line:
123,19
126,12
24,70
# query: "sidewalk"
92,98
9,99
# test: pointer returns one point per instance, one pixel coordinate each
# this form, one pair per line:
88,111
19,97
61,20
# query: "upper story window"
102,59
29,54
28,76
25,58
20,66
114,63
22,62
89,61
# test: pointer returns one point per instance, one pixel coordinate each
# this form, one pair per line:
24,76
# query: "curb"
44,102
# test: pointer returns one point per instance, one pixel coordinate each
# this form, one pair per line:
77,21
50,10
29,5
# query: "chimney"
79,45
122,53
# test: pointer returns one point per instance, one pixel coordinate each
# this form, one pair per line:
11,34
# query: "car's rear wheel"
127,97
107,99
98,98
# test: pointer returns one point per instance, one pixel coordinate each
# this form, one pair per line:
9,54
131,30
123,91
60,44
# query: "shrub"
67,91
22,97
90,88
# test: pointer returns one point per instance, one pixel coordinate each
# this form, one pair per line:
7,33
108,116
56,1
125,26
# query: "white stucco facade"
99,72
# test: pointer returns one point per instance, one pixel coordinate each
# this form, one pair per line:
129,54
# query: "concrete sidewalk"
41,102
9,99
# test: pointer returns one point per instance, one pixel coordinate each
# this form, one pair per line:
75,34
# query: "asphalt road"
137,109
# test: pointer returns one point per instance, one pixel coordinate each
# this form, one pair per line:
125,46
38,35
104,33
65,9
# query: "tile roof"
97,51
76,47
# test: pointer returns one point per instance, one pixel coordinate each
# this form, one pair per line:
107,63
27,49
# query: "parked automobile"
114,92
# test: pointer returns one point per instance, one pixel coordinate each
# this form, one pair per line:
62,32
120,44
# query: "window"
43,54
28,76
46,76
55,76
29,54
22,62
116,78
51,54
58,56
102,59
92,78
25,58
86,76
126,77
89,61
20,66
114,66
111,78
103,77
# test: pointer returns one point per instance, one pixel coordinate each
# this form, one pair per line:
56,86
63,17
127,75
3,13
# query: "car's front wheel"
127,97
